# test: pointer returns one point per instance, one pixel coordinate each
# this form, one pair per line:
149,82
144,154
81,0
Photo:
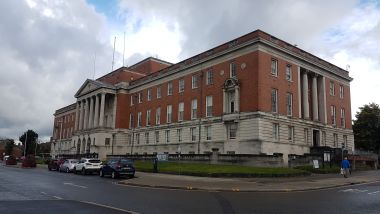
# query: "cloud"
47,50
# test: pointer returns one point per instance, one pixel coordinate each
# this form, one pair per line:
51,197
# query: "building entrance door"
316,138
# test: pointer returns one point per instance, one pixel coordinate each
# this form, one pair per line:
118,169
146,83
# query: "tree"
366,128
9,144
31,141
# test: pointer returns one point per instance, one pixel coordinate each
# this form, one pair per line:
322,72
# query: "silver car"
68,165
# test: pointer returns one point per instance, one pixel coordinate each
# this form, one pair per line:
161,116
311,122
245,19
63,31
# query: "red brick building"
254,94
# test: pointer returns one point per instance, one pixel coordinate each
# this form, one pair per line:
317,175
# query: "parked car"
55,163
67,165
87,165
118,167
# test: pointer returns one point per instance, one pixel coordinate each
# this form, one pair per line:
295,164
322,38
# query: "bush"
11,161
29,161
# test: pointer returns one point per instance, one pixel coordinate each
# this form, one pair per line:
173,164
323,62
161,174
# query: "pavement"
306,183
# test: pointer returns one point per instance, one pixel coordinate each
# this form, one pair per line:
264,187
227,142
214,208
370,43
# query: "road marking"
370,193
71,184
43,193
110,207
59,198
354,190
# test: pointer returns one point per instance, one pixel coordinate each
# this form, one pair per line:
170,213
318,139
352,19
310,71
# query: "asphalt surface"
42,191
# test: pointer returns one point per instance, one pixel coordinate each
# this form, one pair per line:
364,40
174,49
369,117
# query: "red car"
55,163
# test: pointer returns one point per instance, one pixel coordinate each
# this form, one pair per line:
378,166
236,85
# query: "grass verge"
213,170
322,170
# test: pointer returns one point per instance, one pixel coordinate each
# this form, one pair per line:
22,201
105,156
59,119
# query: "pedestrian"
345,167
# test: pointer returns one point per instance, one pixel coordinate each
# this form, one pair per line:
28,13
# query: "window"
132,100
306,135
129,139
274,68
169,114
208,132
345,141
291,133
148,117
332,88
194,109
333,115
140,97
274,101
157,136
158,92
179,135
288,72
167,136
324,138
343,117
138,119
289,104
193,134
158,116
181,85
149,97
107,141
209,106
170,88
232,129
232,70
194,82
147,137
335,140
138,138
341,91
275,131
209,77
181,109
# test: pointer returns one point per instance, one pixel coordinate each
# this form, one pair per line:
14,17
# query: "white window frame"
233,73
148,113
332,88
193,134
333,115
274,100
274,67
140,97
139,119
276,131
209,106
157,136
131,118
289,104
343,117
194,81
167,136
179,135
209,77
138,138
306,135
149,94
158,92
291,133
335,139
232,131
158,116
170,88
289,73
132,100
194,106
341,91
169,113
208,132
181,85
146,137
181,111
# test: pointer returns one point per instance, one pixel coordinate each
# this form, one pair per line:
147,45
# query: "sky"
49,48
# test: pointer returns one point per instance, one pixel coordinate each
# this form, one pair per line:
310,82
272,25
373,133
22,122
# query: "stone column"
102,103
224,101
91,117
299,91
85,121
315,98
77,117
322,99
237,100
81,115
96,116
305,97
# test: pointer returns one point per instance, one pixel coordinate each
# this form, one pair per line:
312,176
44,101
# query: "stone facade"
253,95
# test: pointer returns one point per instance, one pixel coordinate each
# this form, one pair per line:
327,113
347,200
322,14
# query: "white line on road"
353,190
43,193
71,184
57,197
370,193
114,208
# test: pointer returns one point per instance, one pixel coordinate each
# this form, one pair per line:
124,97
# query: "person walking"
345,167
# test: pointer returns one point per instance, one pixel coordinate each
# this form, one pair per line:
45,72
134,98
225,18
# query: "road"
42,191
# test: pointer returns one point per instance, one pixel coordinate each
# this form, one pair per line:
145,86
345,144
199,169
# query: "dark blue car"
117,168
